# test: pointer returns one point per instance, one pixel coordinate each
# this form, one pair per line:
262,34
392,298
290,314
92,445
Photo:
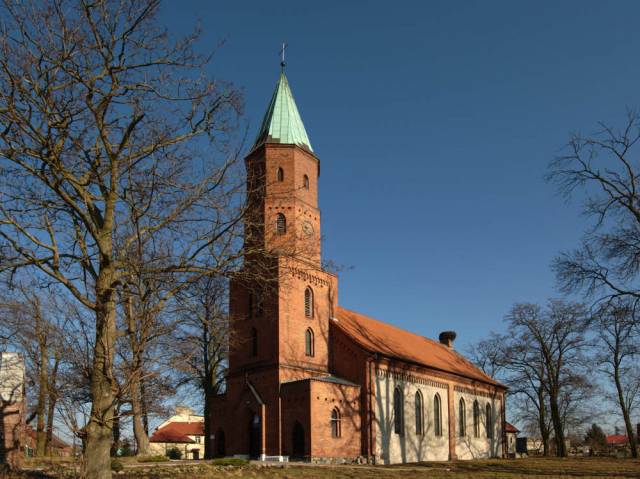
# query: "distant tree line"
564,360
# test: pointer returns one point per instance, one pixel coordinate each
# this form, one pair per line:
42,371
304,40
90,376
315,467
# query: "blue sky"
434,123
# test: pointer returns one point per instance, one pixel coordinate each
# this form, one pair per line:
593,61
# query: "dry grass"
532,468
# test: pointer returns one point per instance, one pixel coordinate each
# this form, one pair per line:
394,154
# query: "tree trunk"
542,421
633,440
41,406
51,407
142,440
99,428
208,442
556,419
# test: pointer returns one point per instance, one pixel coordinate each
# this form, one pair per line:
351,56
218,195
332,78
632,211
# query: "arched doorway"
220,446
255,431
298,440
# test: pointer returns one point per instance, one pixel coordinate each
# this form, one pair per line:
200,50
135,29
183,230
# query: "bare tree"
554,338
617,354
99,105
201,348
35,325
602,167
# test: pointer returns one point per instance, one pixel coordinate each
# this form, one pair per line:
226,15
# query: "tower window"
281,224
280,174
250,306
437,415
305,182
308,302
398,412
419,414
489,420
476,419
254,342
309,347
335,423
462,419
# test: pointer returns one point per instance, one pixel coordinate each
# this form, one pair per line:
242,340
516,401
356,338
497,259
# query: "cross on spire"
282,63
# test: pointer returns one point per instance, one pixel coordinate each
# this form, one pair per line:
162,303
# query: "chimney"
447,338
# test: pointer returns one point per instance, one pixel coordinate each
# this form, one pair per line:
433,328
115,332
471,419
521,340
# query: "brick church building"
311,380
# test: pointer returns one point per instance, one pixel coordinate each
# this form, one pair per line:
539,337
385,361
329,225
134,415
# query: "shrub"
116,465
229,461
174,453
152,458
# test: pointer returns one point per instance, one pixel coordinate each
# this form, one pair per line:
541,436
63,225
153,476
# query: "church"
310,380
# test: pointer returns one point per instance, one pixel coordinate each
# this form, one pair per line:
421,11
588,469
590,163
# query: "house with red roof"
311,380
183,431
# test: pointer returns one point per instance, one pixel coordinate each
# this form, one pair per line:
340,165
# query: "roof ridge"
364,339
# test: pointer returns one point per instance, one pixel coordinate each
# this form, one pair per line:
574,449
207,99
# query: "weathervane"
282,63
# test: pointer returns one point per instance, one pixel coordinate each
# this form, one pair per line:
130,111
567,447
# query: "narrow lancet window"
281,224
309,345
308,302
437,415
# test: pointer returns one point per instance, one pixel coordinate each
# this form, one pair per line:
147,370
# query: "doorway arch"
298,449
255,433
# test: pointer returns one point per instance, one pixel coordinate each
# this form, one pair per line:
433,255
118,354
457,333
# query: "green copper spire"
282,123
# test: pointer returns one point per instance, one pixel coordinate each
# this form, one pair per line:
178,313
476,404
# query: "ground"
532,468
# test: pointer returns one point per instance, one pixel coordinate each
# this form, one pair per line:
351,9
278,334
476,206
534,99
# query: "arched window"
308,302
437,415
419,414
280,174
398,412
250,306
308,342
281,224
476,419
254,342
489,421
336,429
462,419
259,305
305,182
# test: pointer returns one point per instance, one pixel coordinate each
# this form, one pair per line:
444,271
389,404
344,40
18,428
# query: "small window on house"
437,415
336,426
308,302
398,412
489,421
308,343
281,224
419,414
280,174
476,419
462,419
305,182
254,342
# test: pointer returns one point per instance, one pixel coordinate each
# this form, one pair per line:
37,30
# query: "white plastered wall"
393,448
469,446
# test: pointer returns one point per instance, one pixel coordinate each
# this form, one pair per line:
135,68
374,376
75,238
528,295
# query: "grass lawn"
532,468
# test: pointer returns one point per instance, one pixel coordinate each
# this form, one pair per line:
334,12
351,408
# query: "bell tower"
282,319
281,302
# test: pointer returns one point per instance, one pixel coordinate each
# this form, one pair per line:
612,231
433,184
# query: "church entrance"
220,446
255,431
298,440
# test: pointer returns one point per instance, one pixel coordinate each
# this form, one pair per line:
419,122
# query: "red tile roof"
178,432
508,427
378,337
616,439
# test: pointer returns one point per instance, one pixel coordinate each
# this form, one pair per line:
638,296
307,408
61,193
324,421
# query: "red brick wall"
11,433
324,398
